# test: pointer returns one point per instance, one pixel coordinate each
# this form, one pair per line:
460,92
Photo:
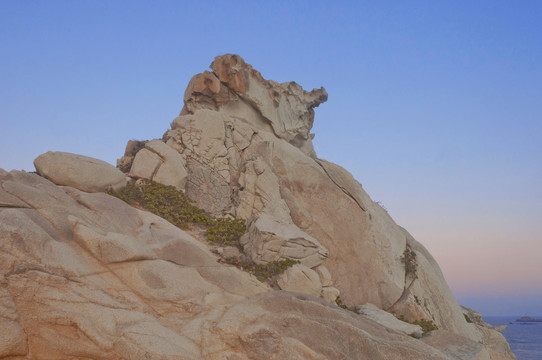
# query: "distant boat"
528,319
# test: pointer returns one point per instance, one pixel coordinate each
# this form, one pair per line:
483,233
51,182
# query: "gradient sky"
435,107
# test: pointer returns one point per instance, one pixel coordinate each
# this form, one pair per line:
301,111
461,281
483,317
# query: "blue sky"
435,107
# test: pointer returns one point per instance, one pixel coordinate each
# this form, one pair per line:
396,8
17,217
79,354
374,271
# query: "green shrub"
340,303
409,259
226,231
262,271
426,325
169,203
165,201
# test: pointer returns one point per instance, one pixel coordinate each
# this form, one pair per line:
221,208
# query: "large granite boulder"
155,161
247,145
81,172
113,281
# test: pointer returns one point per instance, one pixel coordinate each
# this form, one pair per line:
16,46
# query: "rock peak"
237,89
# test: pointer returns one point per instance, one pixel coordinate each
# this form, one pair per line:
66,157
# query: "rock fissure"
345,191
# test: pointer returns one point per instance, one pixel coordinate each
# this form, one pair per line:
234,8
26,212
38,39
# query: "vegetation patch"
262,272
225,231
426,325
467,318
340,303
409,259
171,204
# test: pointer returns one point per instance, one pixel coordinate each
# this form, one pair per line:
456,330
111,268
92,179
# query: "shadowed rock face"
112,281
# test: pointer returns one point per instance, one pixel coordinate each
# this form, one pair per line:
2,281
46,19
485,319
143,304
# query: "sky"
435,107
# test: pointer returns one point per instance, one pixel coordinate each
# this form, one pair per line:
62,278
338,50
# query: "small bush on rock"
262,272
409,259
172,205
165,201
226,231
426,325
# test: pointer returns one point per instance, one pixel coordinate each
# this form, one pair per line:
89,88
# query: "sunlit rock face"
113,281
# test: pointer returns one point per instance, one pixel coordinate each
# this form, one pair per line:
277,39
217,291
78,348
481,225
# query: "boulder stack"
114,281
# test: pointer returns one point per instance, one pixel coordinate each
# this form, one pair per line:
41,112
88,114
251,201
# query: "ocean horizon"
525,338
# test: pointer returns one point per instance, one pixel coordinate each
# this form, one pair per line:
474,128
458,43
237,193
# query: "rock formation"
85,275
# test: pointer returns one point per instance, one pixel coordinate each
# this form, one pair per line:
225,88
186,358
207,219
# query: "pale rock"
296,326
201,138
126,161
287,107
229,252
325,276
427,296
260,193
109,247
13,340
235,88
476,318
495,344
3,172
81,172
9,201
301,279
269,240
145,165
91,305
208,189
204,91
330,294
492,338
455,346
244,147
365,260
172,169
388,320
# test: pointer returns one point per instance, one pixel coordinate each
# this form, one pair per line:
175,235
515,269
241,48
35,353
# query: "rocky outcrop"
388,320
496,345
235,88
81,172
113,281
269,240
247,145
301,279
157,162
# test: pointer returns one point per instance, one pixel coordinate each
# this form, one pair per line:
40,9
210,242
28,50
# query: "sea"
525,339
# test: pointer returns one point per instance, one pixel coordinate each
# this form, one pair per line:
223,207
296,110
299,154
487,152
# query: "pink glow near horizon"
485,263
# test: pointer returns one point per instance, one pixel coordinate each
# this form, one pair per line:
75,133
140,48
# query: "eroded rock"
388,320
269,240
81,172
301,279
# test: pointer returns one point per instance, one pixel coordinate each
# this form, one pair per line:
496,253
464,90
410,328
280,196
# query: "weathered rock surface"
269,240
247,145
158,162
112,281
388,320
88,276
81,172
293,326
496,344
301,279
455,346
